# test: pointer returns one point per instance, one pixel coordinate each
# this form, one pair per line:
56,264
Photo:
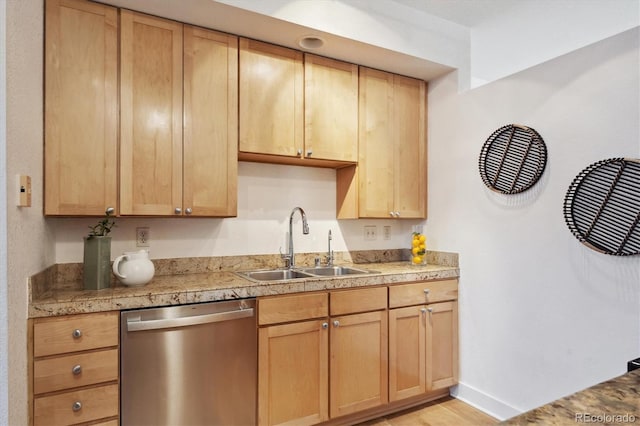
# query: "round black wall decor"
602,206
512,159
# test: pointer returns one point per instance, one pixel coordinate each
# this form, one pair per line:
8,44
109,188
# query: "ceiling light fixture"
310,42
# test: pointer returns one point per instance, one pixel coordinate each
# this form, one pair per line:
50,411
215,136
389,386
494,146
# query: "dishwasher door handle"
135,324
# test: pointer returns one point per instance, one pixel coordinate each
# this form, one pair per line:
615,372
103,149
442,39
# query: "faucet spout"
305,230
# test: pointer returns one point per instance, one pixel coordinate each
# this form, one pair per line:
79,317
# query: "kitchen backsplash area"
266,195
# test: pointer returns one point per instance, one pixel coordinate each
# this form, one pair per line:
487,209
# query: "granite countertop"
58,290
616,401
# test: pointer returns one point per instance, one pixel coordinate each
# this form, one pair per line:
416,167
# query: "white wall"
541,315
266,195
533,31
30,245
4,396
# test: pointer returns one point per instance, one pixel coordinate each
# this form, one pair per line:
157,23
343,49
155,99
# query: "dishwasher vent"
512,159
602,206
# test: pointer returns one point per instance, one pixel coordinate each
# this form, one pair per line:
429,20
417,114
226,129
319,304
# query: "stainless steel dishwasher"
189,365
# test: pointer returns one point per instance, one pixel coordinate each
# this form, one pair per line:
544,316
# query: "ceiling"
230,16
469,13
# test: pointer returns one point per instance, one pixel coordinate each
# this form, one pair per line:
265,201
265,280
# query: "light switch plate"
24,191
370,232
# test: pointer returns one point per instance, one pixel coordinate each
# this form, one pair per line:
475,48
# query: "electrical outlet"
142,237
386,232
370,232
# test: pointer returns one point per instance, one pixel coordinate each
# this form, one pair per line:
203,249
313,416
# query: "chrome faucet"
305,230
329,251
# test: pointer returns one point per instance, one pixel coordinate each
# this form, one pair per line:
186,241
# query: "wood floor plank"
443,412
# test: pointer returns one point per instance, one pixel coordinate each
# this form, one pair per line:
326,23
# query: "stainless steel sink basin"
275,275
292,274
334,271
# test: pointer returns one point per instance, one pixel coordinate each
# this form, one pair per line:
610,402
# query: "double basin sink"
310,272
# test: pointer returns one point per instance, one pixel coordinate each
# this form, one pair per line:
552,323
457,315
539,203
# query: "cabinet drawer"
422,292
52,336
297,307
358,300
54,374
94,403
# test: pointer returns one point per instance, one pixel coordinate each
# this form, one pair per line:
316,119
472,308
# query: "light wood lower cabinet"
358,362
311,371
293,373
76,369
293,359
423,339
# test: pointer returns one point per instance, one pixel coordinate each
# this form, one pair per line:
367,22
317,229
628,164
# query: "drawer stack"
75,369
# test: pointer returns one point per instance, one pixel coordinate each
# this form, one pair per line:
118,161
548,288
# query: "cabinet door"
358,364
151,115
442,345
376,146
271,99
331,109
81,108
210,123
410,182
407,360
293,373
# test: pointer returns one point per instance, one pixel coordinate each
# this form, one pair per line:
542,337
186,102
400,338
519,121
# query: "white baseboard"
484,402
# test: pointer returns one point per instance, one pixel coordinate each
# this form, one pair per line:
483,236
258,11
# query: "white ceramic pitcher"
134,268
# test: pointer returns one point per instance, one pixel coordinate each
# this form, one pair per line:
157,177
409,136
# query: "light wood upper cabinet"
330,109
151,115
271,99
210,123
81,108
391,176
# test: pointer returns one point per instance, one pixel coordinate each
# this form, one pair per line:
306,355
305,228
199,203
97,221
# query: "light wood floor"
443,412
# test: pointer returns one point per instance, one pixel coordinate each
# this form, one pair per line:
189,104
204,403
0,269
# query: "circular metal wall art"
602,206
512,159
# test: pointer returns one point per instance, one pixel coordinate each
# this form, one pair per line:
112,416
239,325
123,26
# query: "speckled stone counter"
616,401
58,290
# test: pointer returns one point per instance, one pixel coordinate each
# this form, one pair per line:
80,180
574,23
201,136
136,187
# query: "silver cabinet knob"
109,210
430,310
325,325
77,333
397,214
336,323
188,210
77,369
178,210
423,310
426,291
299,153
309,153
392,214
77,406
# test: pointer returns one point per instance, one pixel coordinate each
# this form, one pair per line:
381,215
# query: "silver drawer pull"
77,406
77,333
77,369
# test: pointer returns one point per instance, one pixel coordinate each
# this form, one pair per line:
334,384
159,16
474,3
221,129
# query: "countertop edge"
205,288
